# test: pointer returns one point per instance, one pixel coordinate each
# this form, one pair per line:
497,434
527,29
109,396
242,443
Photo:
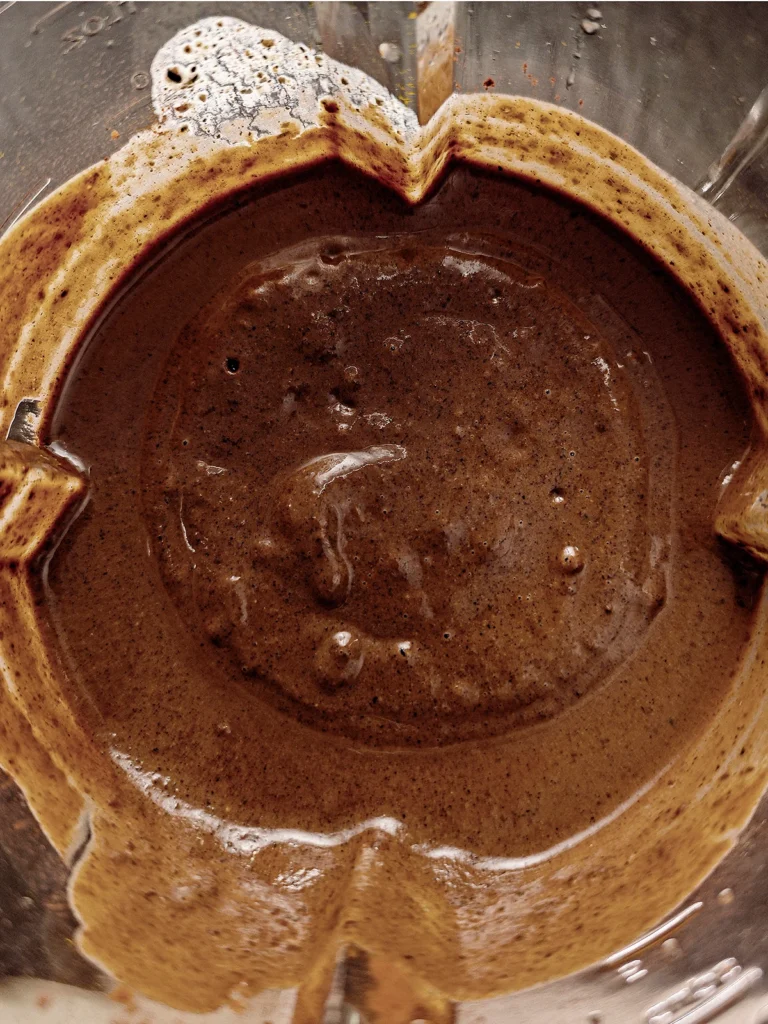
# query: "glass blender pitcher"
687,85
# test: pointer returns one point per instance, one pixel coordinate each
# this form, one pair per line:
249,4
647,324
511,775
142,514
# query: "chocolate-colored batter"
403,485
400,514
434,476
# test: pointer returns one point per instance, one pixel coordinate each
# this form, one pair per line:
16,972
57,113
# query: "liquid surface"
399,439
407,491
400,522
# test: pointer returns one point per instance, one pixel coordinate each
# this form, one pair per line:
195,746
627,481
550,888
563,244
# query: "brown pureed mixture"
403,487
400,516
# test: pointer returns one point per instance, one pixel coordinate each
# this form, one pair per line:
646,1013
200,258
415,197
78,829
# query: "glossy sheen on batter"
399,515
304,458
405,488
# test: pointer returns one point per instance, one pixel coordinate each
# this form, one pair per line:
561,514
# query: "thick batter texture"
400,520
440,477
404,488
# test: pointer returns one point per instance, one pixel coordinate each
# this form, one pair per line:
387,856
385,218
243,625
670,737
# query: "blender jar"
687,85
